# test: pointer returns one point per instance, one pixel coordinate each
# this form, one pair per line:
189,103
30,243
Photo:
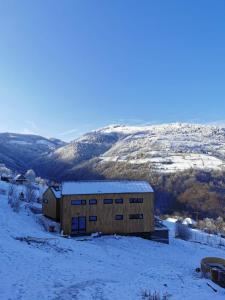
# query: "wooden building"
20,179
122,207
51,203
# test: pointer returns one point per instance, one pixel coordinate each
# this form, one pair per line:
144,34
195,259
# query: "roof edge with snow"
105,187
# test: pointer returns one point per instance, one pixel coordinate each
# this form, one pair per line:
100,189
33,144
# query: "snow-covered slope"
20,151
169,148
109,268
162,148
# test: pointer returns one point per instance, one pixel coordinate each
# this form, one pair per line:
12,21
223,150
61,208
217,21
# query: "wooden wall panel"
51,209
105,213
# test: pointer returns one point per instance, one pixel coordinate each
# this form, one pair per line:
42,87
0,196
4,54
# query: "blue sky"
67,67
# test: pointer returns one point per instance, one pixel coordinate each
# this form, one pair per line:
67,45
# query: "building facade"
121,207
51,203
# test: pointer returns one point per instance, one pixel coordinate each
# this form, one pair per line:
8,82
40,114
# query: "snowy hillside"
161,148
20,151
106,268
169,148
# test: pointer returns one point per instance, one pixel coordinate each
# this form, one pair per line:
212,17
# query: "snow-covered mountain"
161,148
169,148
20,151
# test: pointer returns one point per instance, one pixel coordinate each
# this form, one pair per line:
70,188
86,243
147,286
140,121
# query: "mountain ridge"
162,148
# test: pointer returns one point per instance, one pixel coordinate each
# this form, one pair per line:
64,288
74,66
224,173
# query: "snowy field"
96,268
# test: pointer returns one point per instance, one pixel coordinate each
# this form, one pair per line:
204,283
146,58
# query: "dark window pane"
136,216
78,202
119,217
119,201
108,201
92,218
136,200
92,201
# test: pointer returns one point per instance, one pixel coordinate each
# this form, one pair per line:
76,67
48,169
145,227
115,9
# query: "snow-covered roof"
20,177
105,187
56,191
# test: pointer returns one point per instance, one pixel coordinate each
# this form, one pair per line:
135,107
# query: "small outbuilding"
20,179
51,203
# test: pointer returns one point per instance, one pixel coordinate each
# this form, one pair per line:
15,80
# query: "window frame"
119,219
77,202
106,201
119,201
136,200
91,220
91,202
45,200
136,216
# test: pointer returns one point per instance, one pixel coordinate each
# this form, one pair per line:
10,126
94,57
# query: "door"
78,225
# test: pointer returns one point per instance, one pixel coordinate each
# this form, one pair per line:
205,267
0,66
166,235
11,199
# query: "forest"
195,193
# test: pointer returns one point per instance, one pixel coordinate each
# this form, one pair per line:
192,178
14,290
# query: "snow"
20,142
57,192
105,187
38,189
46,143
109,267
189,221
186,161
167,148
171,220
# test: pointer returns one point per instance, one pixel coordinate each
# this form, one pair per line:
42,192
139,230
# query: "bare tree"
13,198
40,181
30,193
4,171
30,175
11,193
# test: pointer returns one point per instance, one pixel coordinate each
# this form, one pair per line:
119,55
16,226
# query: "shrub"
148,295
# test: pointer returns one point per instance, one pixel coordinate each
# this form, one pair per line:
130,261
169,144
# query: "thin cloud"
27,131
32,125
30,128
69,132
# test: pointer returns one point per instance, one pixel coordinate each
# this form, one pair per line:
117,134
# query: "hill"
179,160
164,148
110,267
19,152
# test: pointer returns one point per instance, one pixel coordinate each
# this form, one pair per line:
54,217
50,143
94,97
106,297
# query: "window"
136,216
56,188
78,202
92,201
45,200
119,217
92,218
108,201
136,200
119,201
